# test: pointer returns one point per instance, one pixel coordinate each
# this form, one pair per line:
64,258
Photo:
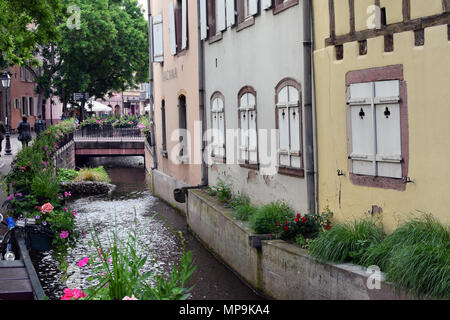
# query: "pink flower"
83,262
47,208
128,298
84,233
64,234
70,294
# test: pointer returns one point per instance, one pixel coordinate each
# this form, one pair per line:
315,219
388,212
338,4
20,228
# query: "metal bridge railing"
108,133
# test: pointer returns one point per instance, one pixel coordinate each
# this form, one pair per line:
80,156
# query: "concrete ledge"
278,269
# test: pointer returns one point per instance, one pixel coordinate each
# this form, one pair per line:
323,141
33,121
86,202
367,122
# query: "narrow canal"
132,198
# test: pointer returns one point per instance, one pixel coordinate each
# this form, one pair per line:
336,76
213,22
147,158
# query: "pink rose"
83,262
47,208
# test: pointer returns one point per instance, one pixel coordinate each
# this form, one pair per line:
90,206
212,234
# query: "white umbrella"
97,107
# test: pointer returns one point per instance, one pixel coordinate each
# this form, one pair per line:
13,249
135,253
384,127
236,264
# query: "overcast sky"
144,6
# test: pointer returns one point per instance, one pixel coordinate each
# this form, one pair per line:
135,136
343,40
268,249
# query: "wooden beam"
419,23
406,10
446,5
351,5
332,19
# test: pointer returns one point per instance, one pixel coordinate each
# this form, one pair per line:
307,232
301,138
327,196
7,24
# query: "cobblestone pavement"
5,161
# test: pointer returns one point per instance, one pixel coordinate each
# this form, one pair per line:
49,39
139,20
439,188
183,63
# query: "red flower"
286,222
296,219
279,224
286,227
304,219
298,216
328,227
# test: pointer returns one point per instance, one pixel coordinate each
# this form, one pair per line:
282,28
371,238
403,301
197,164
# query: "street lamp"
6,83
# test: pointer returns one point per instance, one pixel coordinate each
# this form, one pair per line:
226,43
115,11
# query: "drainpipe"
309,107
201,93
152,113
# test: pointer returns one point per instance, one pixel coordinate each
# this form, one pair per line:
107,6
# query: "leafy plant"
66,175
223,191
307,226
416,257
346,242
242,208
93,174
266,218
45,187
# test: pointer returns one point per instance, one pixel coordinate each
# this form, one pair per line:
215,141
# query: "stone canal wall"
275,268
65,156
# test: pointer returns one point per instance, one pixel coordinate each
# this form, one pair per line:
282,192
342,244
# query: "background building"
382,76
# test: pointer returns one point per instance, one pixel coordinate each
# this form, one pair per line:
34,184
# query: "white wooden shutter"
184,35
362,131
243,106
388,133
283,127
294,127
215,127
203,20
220,15
158,43
266,4
36,101
252,7
231,16
221,116
173,34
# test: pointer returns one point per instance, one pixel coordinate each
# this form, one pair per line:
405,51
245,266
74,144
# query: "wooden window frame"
243,21
279,5
394,72
164,152
217,159
285,170
246,163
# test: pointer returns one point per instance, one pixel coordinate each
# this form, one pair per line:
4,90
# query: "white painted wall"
258,56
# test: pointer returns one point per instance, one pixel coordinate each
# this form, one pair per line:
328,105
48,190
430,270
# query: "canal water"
158,225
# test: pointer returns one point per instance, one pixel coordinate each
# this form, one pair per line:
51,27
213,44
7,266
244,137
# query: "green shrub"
223,191
416,257
266,218
242,208
346,242
93,174
66,175
44,187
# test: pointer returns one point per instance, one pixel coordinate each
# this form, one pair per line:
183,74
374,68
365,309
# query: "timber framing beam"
409,25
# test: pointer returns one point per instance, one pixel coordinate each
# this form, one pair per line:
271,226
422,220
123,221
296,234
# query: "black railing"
108,132
65,140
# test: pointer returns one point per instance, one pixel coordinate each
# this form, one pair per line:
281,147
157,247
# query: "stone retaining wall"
278,269
87,188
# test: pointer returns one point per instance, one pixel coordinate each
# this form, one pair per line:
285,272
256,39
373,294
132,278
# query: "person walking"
2,135
24,130
40,125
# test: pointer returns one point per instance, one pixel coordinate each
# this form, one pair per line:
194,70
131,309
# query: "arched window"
182,125
218,126
163,128
289,124
248,142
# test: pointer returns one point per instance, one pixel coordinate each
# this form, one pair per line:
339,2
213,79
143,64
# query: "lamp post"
6,83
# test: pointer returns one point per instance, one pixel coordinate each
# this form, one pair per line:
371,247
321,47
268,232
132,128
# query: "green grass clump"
65,175
346,242
416,257
93,174
266,218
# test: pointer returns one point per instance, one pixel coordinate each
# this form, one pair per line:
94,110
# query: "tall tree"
24,24
107,52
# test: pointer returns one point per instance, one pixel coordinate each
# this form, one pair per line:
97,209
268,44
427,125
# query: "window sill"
252,166
219,159
164,154
293,172
286,5
246,23
378,182
181,53
215,38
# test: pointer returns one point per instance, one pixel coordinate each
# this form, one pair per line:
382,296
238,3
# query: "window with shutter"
375,129
231,13
218,127
158,44
172,29
248,128
30,106
220,15
246,9
203,20
281,5
184,21
289,124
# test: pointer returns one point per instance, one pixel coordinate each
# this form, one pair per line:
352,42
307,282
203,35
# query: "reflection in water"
130,199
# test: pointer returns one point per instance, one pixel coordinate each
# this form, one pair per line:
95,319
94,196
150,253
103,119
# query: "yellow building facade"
382,81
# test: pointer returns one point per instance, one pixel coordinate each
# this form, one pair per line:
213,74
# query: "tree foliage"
24,24
108,52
